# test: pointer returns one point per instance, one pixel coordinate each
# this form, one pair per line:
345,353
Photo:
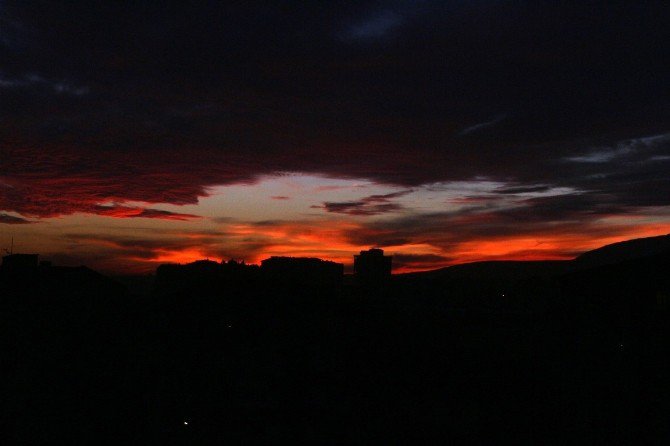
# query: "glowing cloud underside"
425,227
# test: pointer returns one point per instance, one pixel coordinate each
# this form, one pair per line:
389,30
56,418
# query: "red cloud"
62,181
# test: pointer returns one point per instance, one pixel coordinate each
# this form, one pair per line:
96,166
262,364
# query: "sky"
139,133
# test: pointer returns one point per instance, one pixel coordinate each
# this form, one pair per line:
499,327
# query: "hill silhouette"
521,269
498,269
539,286
623,251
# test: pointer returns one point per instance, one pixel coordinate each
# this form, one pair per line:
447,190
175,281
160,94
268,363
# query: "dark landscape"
394,222
293,351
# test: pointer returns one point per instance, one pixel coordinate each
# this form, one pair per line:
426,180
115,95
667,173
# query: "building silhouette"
203,276
302,271
26,281
372,265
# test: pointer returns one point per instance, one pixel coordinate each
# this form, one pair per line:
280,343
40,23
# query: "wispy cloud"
13,220
360,208
366,206
629,147
35,80
482,125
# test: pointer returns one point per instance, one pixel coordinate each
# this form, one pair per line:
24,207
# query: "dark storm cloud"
104,102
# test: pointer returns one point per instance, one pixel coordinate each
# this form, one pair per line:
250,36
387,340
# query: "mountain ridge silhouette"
613,253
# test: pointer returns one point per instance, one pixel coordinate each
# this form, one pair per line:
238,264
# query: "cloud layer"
113,110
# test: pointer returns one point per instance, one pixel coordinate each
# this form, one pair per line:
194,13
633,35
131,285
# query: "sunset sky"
442,131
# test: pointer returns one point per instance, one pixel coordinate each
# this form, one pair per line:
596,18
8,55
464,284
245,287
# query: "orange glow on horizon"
337,240
329,244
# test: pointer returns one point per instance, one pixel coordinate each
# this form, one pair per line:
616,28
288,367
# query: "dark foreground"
329,370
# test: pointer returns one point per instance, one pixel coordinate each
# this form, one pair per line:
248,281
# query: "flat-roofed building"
372,265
